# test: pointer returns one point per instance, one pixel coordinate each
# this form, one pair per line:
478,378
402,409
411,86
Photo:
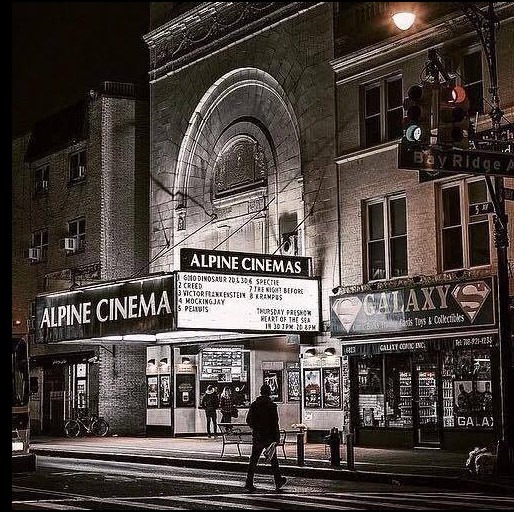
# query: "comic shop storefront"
422,363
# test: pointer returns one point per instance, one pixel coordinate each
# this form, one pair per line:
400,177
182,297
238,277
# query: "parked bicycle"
92,424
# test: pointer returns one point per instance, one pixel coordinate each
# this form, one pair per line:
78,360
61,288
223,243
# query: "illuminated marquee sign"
231,302
125,307
203,260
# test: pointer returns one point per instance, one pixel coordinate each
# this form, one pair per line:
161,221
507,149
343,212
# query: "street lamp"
404,20
485,24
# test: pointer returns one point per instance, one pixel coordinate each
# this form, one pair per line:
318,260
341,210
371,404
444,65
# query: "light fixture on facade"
404,20
310,352
336,290
329,351
186,360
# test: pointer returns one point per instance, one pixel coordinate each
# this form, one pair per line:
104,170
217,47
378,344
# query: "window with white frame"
382,110
39,245
41,175
78,166
465,236
386,238
77,230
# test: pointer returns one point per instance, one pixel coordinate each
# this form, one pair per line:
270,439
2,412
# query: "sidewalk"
438,468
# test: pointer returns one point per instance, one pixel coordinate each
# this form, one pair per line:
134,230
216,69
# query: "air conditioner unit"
289,244
69,243
34,253
81,171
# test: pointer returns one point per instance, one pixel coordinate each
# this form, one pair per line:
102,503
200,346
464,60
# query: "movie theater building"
242,136
225,319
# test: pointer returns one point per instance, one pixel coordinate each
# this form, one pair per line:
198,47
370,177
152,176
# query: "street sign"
455,161
481,208
509,194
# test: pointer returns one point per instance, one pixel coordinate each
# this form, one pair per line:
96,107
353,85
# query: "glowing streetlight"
404,20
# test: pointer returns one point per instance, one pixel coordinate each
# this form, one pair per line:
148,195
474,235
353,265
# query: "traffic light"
417,107
453,121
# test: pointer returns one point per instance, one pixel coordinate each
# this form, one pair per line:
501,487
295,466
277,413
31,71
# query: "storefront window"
467,394
398,394
371,391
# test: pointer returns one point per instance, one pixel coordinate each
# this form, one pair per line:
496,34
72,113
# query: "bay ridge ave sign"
456,161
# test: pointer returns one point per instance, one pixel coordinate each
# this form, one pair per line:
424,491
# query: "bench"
241,433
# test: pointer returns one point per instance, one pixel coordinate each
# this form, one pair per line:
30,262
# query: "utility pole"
485,24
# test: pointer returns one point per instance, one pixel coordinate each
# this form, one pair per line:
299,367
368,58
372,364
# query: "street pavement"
432,467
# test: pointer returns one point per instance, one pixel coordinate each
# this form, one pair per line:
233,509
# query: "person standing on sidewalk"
262,418
210,403
227,406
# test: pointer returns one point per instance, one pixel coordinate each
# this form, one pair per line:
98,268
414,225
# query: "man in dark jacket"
262,417
210,403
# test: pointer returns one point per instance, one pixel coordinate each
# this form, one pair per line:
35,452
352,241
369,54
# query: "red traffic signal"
453,121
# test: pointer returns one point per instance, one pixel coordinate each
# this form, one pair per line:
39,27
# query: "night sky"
62,49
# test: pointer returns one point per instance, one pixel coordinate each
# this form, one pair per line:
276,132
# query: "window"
78,166
467,392
473,81
39,242
383,111
465,238
387,238
41,175
77,230
371,391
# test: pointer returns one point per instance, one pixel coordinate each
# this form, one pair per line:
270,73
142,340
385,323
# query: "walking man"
262,417
210,403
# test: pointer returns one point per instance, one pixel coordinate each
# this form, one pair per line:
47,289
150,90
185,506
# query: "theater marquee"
226,302
139,306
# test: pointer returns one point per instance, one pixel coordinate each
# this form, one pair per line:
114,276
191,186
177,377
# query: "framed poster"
164,391
312,388
185,390
331,388
152,391
274,379
293,383
81,393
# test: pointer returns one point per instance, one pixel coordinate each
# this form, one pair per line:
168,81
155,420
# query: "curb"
300,471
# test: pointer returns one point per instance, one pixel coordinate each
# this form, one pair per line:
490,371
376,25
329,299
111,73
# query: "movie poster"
274,379
152,392
293,383
331,388
164,391
185,390
312,388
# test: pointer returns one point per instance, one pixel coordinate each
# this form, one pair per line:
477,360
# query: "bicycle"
92,424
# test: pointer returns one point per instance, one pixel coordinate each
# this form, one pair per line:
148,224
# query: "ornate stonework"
211,25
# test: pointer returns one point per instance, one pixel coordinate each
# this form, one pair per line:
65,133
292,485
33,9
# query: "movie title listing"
247,303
